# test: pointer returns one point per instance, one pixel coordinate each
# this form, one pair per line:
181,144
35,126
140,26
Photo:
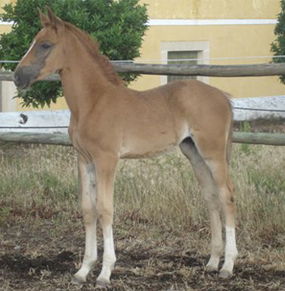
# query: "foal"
109,122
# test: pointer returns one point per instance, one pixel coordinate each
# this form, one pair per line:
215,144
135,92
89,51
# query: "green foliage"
118,26
278,46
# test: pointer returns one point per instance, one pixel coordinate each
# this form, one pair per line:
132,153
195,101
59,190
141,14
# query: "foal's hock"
109,122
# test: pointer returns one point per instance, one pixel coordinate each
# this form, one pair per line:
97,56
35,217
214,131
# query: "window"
197,52
186,57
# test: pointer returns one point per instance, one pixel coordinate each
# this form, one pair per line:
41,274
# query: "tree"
278,46
117,25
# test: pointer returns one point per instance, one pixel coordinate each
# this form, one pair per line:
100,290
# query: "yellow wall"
3,2
226,41
4,28
212,9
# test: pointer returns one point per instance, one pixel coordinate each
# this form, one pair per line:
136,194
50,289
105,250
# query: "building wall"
226,31
238,32
212,9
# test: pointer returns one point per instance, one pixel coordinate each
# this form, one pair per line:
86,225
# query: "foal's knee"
227,195
105,214
89,214
212,200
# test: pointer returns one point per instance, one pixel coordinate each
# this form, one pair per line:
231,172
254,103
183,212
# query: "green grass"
37,180
42,180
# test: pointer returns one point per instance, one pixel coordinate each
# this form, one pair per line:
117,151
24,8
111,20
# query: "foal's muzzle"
24,76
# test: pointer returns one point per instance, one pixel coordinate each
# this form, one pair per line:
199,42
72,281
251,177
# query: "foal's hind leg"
220,174
214,155
210,193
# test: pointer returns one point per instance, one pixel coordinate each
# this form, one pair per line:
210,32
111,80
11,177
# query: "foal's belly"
146,152
151,145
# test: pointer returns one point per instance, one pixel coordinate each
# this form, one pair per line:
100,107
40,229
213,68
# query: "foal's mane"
92,49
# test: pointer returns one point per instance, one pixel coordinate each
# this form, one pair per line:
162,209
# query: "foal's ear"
44,19
56,22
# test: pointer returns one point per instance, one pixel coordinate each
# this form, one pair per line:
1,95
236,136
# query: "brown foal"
110,121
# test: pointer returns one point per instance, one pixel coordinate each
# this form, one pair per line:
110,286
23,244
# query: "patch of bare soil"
42,260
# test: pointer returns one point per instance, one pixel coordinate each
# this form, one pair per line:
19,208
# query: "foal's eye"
45,46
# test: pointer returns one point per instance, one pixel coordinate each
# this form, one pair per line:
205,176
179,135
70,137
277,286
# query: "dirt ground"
43,258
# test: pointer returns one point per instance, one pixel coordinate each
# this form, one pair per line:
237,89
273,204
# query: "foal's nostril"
17,79
25,75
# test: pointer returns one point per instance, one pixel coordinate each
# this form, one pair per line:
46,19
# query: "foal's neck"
82,78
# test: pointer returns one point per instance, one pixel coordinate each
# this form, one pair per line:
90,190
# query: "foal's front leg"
105,173
88,204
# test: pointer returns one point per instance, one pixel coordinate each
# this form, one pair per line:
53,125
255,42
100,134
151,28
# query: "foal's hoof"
225,274
102,284
77,281
211,269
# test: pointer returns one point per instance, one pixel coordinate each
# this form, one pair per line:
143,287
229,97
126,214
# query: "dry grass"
161,223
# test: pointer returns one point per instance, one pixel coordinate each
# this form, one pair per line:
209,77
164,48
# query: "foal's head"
45,55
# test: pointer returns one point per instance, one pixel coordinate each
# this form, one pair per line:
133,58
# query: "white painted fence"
56,121
259,108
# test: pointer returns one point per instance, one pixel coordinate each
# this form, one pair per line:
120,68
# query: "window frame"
202,47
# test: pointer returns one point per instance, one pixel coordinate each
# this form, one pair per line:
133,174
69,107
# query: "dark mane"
92,48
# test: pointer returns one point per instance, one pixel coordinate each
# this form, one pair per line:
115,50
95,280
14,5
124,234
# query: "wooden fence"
275,139
271,69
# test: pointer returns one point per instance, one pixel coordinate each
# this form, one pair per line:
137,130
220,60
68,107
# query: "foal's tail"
230,129
230,140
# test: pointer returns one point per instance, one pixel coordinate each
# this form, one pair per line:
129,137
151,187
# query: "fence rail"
273,69
275,139
204,70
